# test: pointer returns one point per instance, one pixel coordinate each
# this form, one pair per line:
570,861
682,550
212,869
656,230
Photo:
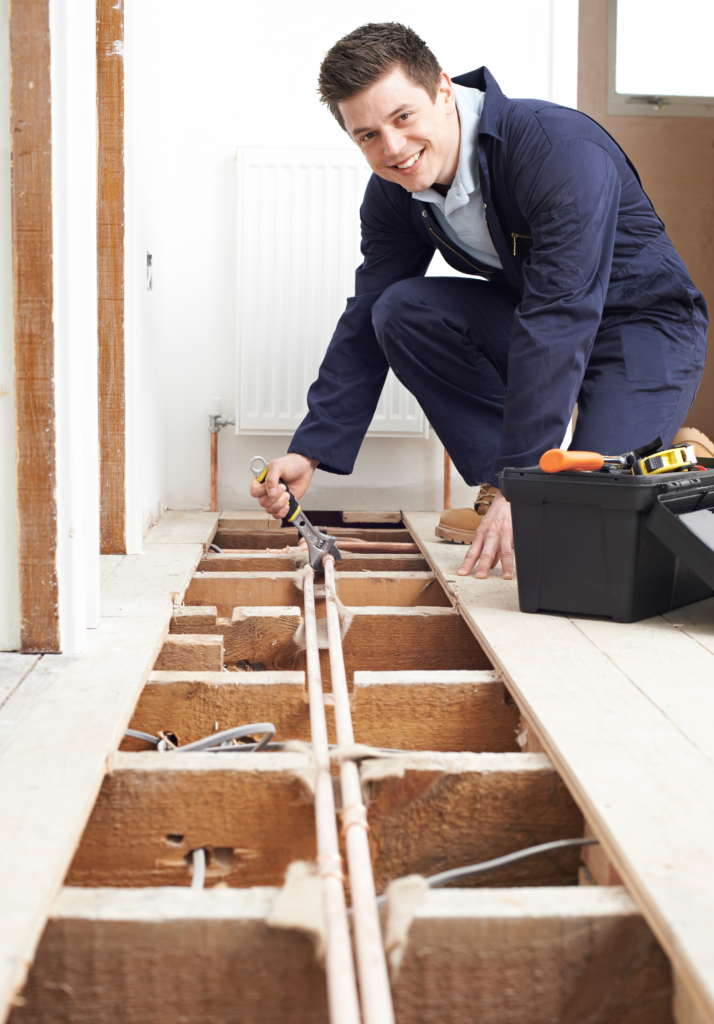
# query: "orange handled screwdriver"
556,461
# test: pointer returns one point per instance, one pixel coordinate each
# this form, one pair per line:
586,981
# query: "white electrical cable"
198,879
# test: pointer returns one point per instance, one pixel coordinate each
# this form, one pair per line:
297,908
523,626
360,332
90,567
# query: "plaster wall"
675,160
199,85
9,585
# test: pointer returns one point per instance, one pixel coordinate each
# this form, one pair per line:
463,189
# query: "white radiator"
298,247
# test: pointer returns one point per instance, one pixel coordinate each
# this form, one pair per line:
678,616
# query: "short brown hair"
369,53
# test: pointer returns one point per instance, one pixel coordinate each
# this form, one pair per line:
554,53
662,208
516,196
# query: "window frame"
646,106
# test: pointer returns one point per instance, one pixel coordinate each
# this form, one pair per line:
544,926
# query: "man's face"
405,136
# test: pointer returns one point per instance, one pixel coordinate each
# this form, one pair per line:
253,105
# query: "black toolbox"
610,543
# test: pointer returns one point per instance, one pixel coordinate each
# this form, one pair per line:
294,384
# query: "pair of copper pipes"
373,1005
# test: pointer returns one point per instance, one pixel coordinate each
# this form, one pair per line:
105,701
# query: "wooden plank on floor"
228,537
183,527
144,584
282,561
445,711
426,811
13,669
255,519
57,731
526,956
355,589
641,783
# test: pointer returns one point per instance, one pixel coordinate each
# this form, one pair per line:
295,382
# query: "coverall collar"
492,106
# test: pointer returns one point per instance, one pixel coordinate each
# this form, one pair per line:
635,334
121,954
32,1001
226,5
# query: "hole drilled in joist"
427,812
443,711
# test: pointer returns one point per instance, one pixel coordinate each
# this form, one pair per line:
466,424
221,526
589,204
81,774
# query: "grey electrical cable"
218,738
214,547
444,877
219,741
199,869
135,734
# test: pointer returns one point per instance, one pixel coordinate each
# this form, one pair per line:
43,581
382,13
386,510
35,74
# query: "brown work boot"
460,524
703,447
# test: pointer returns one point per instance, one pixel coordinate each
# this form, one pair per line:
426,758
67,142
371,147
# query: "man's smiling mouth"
410,162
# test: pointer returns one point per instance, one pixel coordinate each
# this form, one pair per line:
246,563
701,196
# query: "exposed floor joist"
636,760
517,955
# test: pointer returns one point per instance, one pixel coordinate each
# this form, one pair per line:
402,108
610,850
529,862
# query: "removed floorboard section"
443,711
57,732
378,639
148,956
641,782
427,812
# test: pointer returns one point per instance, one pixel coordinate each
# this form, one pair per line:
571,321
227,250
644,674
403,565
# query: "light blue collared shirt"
460,212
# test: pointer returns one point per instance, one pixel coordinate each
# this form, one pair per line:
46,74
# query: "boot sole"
457,536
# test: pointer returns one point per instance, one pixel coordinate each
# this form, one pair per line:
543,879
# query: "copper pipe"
214,472
339,965
447,480
374,985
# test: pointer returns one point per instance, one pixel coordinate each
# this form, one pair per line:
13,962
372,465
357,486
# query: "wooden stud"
524,956
427,812
110,280
444,711
371,517
395,589
282,561
31,123
193,652
255,519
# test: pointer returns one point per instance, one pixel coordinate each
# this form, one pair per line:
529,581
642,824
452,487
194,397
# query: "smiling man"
578,294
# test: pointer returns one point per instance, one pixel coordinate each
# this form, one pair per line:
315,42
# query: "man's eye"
403,117
368,136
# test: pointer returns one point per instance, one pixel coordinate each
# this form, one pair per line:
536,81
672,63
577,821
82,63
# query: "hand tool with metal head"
318,544
645,461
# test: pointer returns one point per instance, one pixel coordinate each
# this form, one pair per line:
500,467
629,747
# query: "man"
578,294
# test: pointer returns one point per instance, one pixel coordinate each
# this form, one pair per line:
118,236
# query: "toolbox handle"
556,460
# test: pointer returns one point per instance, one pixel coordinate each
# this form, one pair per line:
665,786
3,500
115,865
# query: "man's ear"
446,93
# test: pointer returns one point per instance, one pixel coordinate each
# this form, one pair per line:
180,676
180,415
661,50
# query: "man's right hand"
296,471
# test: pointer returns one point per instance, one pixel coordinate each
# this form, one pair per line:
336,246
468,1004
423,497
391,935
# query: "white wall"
202,81
74,228
9,585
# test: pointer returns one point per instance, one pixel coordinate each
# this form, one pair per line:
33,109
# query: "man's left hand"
492,543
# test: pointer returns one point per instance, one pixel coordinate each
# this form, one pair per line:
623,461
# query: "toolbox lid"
679,507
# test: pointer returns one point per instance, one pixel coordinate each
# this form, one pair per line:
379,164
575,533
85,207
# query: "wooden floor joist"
505,956
444,711
427,813
284,561
379,639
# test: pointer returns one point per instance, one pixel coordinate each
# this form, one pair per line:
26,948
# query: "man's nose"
392,141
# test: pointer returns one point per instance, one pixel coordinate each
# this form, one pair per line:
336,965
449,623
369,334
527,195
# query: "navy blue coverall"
593,306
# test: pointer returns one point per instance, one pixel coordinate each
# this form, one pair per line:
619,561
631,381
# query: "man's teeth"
410,162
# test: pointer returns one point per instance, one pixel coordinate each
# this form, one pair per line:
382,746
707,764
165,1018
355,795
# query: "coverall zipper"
480,269
515,236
